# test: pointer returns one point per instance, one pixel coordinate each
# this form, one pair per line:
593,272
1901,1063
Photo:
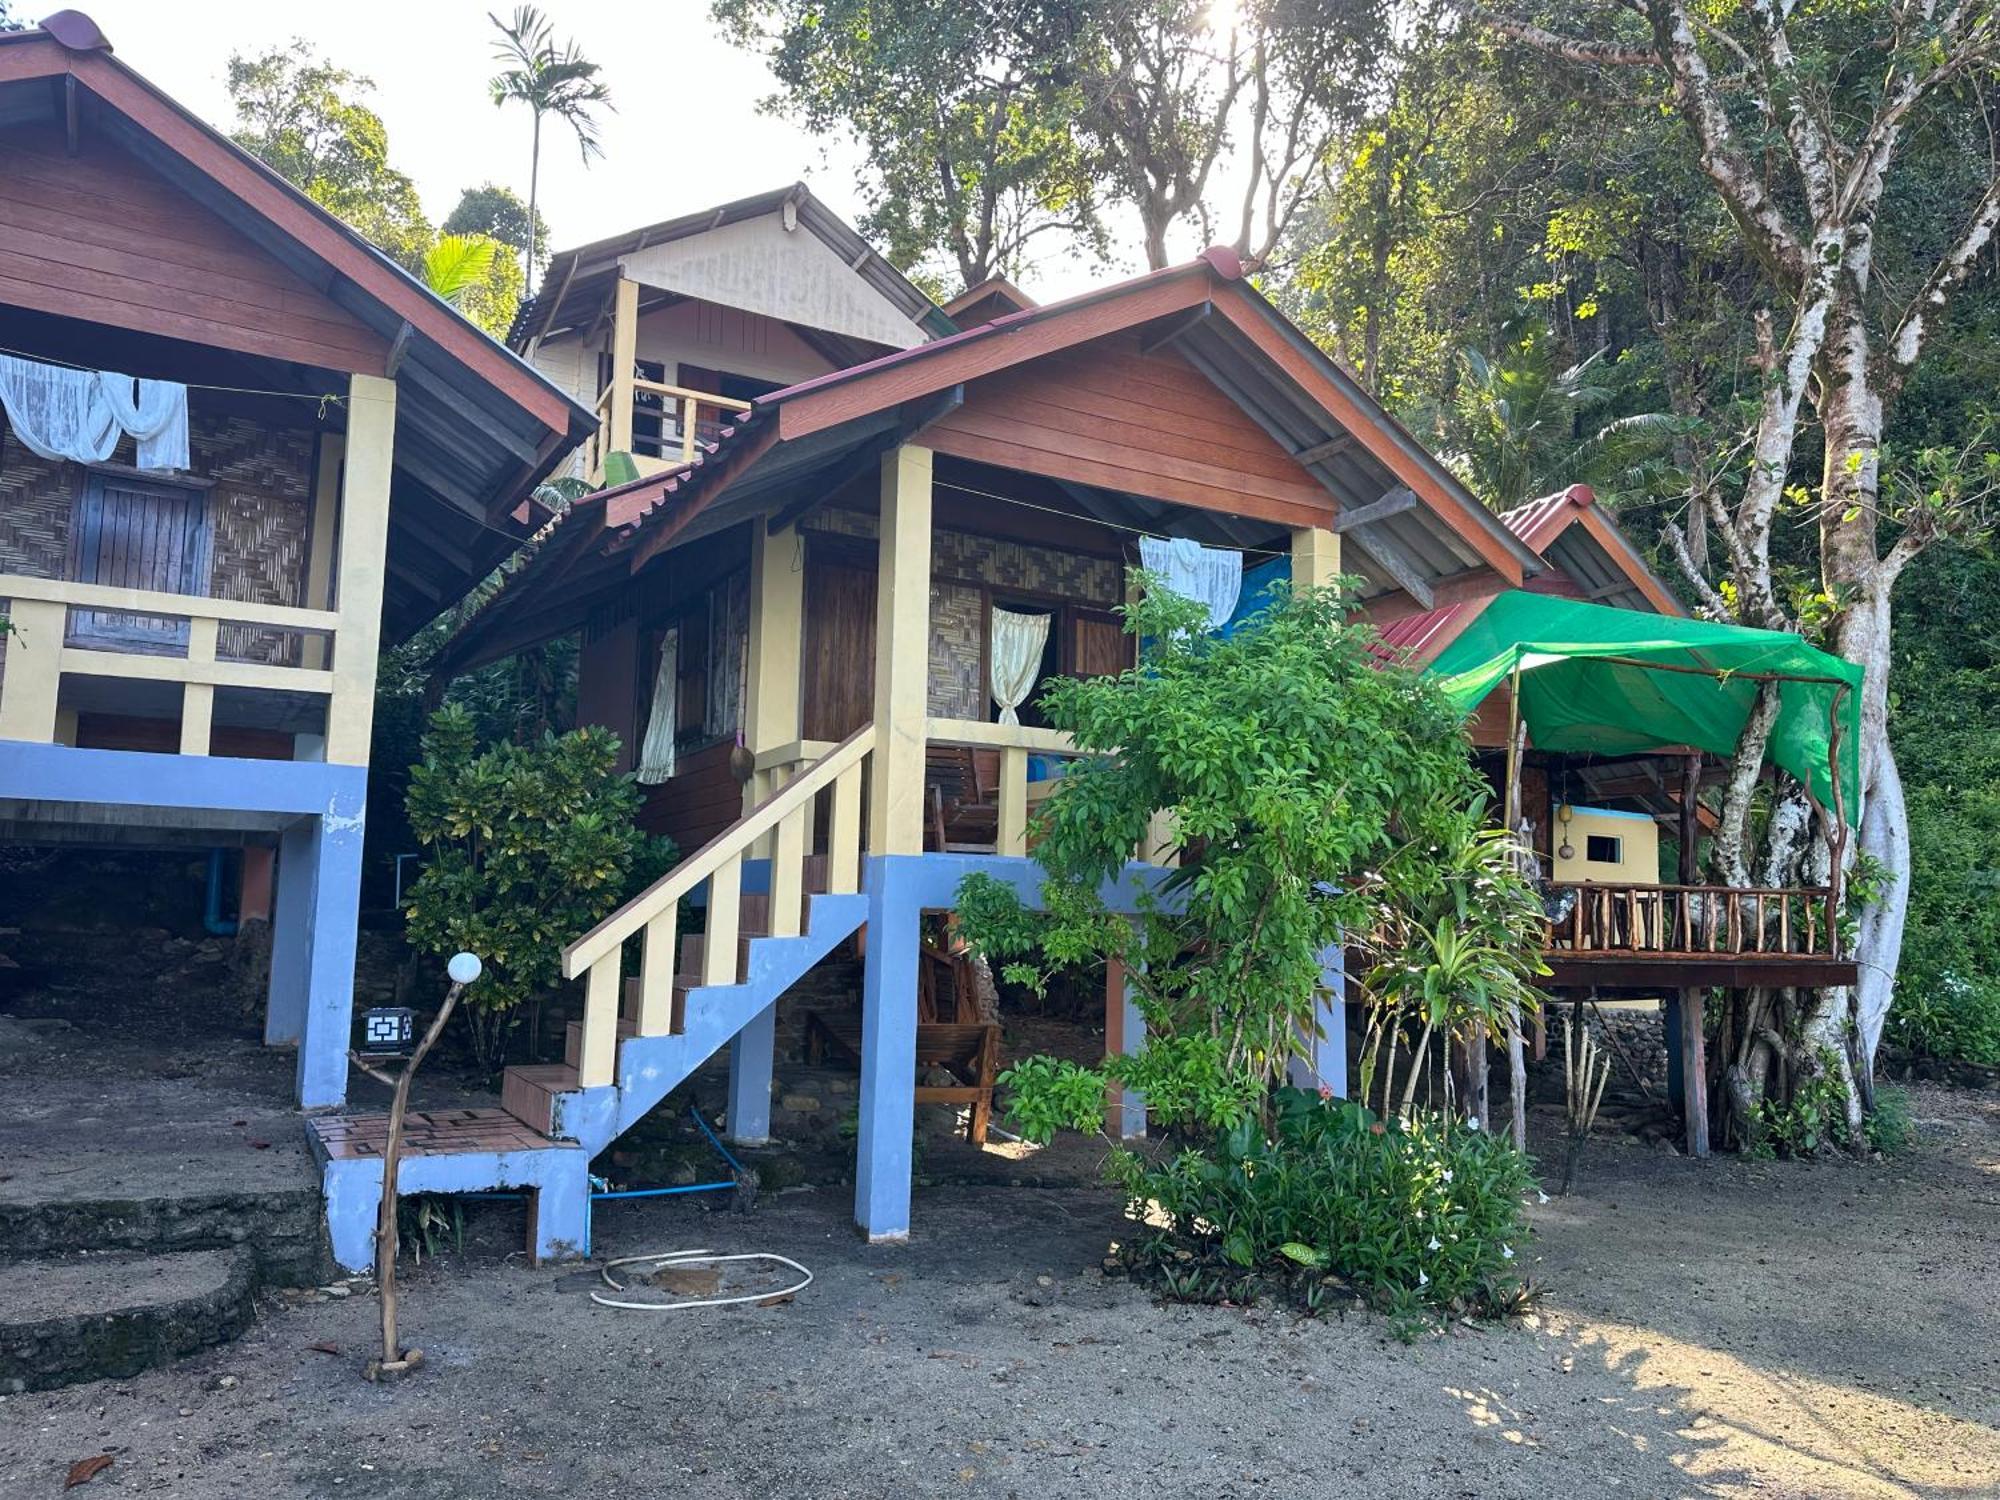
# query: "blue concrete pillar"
750,1061
1124,1032
291,933
559,1208
314,924
888,1053
1323,1063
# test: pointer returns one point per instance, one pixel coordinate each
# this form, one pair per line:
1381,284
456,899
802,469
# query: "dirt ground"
1721,1328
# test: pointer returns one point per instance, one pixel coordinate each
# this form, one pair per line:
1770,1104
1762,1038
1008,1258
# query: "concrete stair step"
109,1316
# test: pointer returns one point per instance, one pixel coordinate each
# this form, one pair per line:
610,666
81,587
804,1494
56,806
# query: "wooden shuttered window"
137,534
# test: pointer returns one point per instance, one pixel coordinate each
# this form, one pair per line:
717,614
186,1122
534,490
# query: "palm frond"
457,263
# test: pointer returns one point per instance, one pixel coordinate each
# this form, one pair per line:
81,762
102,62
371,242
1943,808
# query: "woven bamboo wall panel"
258,511
955,690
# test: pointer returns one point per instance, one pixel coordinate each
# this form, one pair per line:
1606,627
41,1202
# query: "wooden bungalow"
316,457
815,598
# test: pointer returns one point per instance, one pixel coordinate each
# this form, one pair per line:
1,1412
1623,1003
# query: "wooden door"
135,534
1099,645
839,653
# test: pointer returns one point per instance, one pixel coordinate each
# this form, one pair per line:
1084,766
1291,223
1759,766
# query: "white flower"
1422,1279
1506,1252
1447,1174
1473,1123
1540,1196
1434,1245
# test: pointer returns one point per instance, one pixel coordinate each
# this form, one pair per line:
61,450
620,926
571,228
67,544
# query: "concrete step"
283,1228
108,1316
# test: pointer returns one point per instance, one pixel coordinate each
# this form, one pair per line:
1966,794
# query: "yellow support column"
624,359
34,670
777,614
319,546
198,698
364,543
902,654
1315,557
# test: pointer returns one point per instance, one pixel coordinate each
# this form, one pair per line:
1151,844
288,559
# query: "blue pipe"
599,1190
212,918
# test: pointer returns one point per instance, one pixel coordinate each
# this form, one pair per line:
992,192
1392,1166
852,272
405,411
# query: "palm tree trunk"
534,186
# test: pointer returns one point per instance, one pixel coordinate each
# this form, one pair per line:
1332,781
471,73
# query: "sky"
686,133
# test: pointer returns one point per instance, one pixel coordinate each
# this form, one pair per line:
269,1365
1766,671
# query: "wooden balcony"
40,653
1676,936
634,415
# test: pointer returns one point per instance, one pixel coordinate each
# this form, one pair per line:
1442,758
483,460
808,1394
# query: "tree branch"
1555,44
1677,547
1907,342
1722,157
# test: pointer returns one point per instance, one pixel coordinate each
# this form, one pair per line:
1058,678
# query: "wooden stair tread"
528,1092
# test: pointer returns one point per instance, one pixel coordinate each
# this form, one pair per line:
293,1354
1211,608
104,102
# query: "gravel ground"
1723,1328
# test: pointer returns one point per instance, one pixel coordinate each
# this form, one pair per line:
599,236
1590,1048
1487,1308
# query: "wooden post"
1315,557
902,645
1517,1063
624,366
1694,1073
198,698
1012,838
771,683
34,670
364,541
319,540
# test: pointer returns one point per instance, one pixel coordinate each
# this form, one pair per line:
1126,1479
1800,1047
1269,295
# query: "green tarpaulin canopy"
1619,682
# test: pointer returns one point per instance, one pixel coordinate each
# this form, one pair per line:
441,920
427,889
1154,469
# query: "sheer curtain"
656,750
1212,576
79,415
1018,640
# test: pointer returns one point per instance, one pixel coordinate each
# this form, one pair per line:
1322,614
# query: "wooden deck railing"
39,655
618,410
1696,920
785,817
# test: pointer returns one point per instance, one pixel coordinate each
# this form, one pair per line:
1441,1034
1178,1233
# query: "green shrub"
1947,1016
1406,1211
1889,1126
528,847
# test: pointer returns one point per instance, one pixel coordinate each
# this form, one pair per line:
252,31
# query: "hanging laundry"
79,415
1212,576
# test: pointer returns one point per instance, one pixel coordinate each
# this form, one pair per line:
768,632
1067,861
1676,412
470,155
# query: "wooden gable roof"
120,208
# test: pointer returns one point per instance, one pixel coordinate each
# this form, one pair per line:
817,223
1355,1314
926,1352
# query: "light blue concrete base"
556,1180
751,1059
1125,1120
317,811
1323,1064
900,889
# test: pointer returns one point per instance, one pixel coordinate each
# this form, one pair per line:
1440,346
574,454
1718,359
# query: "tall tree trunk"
534,188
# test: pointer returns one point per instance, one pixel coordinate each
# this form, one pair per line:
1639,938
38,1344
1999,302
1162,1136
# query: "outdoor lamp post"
396,1361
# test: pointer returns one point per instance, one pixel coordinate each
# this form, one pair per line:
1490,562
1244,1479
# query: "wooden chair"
963,811
965,1047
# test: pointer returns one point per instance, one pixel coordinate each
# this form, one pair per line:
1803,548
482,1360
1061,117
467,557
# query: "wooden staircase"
643,1034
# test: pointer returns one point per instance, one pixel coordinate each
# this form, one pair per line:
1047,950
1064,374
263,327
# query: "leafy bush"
1317,796
1407,1211
529,847
1890,1128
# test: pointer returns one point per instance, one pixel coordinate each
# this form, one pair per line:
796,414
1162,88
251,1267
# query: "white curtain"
1018,640
79,414
656,750
1212,576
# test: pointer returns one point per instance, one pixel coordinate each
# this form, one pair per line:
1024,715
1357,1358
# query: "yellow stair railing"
785,817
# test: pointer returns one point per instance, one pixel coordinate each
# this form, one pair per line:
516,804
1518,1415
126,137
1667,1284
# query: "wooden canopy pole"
1517,1062
1694,1061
